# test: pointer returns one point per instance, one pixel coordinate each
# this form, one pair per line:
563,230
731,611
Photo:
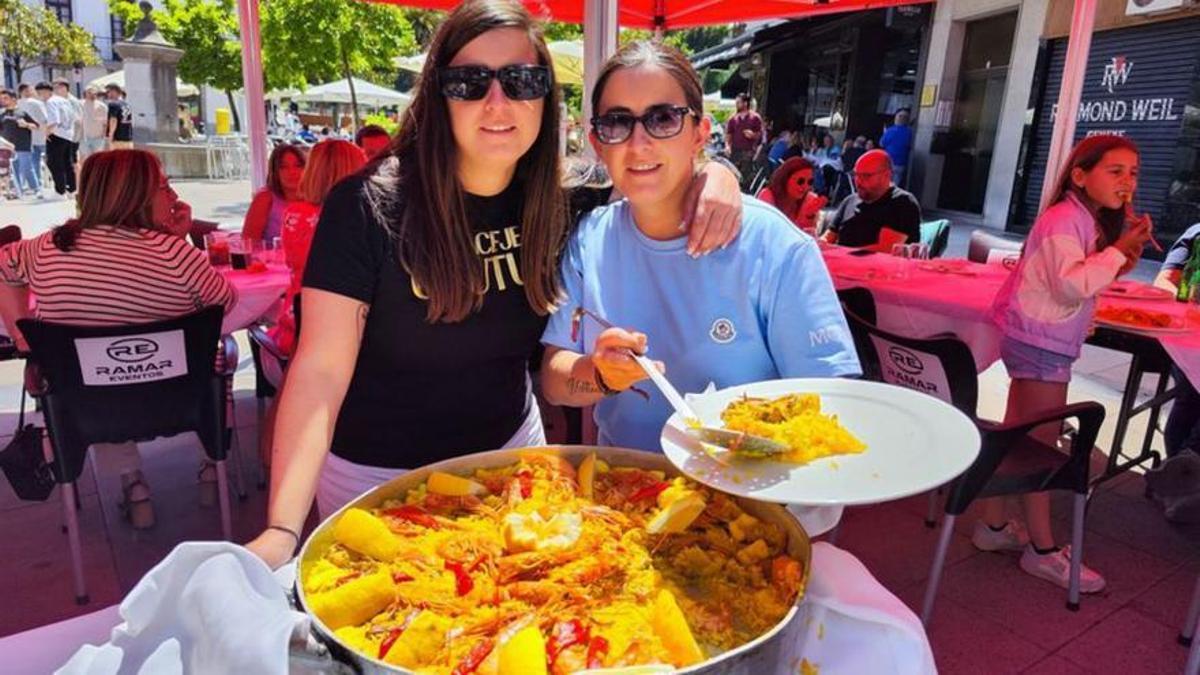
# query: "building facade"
93,16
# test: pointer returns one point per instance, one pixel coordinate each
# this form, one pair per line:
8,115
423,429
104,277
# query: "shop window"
61,9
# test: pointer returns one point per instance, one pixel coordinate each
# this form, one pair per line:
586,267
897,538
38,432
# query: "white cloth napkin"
208,607
849,623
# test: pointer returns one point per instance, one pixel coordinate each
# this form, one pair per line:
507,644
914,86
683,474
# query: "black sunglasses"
470,83
660,121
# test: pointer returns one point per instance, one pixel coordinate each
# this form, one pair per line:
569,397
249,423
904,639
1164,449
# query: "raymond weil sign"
1107,104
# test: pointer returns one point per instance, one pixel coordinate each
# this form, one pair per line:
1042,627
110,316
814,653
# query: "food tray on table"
1134,290
1140,320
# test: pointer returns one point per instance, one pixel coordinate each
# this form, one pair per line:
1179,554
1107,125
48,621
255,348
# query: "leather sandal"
207,479
135,501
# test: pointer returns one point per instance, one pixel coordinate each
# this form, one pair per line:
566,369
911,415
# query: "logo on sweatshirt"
722,331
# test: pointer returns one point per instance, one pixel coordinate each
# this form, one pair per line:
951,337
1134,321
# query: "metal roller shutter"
1139,83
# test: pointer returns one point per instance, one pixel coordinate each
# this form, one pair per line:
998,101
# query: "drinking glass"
239,252
918,251
899,263
277,255
217,246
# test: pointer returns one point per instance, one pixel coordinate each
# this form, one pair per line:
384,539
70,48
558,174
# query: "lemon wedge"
672,629
449,485
587,476
524,653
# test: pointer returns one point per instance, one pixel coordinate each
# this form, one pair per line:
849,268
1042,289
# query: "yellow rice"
796,421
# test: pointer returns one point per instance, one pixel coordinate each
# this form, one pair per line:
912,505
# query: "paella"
541,566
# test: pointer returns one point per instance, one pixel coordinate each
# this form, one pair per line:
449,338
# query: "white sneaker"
1056,568
1011,538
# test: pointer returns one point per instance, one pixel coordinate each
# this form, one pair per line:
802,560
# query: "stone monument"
150,76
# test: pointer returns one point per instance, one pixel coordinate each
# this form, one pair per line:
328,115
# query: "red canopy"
685,13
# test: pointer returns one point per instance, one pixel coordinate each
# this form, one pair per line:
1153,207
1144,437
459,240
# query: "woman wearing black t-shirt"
431,276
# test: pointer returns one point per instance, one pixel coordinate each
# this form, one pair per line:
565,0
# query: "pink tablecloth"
921,303
257,296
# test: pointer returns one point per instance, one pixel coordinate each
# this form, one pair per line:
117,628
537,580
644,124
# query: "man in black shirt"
16,128
120,118
879,214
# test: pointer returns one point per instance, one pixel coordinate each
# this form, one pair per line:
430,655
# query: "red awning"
685,13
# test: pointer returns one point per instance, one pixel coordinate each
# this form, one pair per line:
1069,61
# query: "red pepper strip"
564,635
462,580
473,658
388,641
650,492
399,578
413,514
526,481
597,650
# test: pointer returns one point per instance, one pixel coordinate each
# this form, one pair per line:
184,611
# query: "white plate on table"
1133,290
915,443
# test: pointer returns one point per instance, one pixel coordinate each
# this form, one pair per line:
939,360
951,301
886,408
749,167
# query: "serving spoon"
734,441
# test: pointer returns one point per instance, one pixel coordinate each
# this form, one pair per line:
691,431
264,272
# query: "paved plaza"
990,617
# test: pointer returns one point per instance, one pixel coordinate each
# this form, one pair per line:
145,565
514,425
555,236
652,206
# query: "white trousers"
342,480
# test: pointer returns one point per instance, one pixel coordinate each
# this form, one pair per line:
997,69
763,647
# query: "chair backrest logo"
906,360
132,350
912,369
134,359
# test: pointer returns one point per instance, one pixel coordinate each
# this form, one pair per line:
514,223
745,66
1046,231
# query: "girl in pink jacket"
1080,244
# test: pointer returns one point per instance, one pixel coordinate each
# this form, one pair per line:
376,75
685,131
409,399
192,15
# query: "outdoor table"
257,294
914,299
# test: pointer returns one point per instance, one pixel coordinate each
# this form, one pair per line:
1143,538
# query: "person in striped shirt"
123,261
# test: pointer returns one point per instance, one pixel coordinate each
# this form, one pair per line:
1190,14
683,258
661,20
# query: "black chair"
1029,465
127,383
1188,634
262,348
860,302
985,242
936,235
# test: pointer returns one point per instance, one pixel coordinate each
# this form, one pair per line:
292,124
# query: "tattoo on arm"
577,386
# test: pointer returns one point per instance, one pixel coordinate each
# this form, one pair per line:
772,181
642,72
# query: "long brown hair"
275,163
414,191
328,163
1086,155
116,188
779,182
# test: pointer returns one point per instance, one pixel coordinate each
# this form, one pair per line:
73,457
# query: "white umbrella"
367,93
118,78
567,56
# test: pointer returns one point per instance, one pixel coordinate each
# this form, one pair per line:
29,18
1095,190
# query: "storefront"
1142,82
847,73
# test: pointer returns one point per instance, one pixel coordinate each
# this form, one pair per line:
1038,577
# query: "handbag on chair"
24,462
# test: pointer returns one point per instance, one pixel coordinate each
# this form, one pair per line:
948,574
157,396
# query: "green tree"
687,40
206,31
31,34
307,41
